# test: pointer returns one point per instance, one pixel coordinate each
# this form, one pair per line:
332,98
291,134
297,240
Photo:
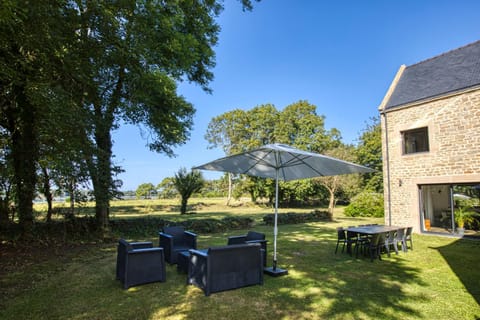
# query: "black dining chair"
363,240
341,238
408,237
375,246
390,240
352,239
400,238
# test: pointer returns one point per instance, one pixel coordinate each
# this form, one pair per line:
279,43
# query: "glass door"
436,208
450,209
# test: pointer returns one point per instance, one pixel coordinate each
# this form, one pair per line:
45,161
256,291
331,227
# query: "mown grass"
437,280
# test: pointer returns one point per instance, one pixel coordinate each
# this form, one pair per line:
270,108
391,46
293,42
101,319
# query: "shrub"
366,204
85,228
151,226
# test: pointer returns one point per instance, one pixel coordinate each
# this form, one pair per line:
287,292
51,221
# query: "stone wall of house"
454,157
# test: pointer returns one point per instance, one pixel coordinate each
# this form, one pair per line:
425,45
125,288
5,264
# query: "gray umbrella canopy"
282,162
290,164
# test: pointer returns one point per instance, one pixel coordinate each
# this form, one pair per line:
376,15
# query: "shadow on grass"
150,207
456,255
139,209
321,284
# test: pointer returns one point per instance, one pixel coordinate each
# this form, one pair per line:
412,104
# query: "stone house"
430,119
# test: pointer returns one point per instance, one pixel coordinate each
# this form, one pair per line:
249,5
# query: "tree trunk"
331,204
49,198
253,196
71,190
70,213
6,207
103,174
104,115
25,156
183,206
47,193
4,211
229,197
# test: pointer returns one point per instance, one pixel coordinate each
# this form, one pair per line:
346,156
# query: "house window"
415,140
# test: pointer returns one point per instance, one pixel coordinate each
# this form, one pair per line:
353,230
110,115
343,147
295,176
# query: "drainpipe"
389,198
383,113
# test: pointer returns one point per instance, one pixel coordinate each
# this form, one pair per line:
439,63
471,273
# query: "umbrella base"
277,272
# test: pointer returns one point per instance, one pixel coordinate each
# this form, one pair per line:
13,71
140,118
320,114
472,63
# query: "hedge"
85,228
149,226
293,218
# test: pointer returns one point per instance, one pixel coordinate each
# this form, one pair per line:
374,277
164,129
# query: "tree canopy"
145,190
100,63
297,125
369,153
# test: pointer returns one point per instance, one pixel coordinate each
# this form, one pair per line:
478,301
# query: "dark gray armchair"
174,240
251,237
139,263
227,267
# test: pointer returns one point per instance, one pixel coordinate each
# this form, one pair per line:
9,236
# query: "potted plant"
464,214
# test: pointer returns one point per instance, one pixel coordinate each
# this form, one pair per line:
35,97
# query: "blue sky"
339,55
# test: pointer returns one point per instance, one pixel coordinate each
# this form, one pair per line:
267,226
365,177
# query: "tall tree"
297,124
166,188
145,190
228,131
369,153
32,36
137,50
117,60
61,162
238,131
338,183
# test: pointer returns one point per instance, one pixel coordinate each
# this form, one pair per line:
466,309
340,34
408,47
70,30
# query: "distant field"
198,208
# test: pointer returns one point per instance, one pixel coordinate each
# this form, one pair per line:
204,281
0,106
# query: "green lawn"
439,279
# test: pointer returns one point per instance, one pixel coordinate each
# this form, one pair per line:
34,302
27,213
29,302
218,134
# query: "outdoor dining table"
373,229
370,230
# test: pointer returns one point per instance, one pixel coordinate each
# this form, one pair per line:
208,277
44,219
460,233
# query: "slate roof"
444,74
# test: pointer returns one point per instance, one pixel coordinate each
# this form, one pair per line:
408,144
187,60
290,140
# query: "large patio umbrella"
282,162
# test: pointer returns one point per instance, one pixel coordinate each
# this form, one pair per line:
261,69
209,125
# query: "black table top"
373,229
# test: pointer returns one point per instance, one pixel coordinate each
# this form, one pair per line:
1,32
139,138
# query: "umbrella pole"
275,228
274,271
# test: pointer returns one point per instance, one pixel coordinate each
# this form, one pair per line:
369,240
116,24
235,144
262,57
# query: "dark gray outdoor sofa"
251,237
139,263
226,267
